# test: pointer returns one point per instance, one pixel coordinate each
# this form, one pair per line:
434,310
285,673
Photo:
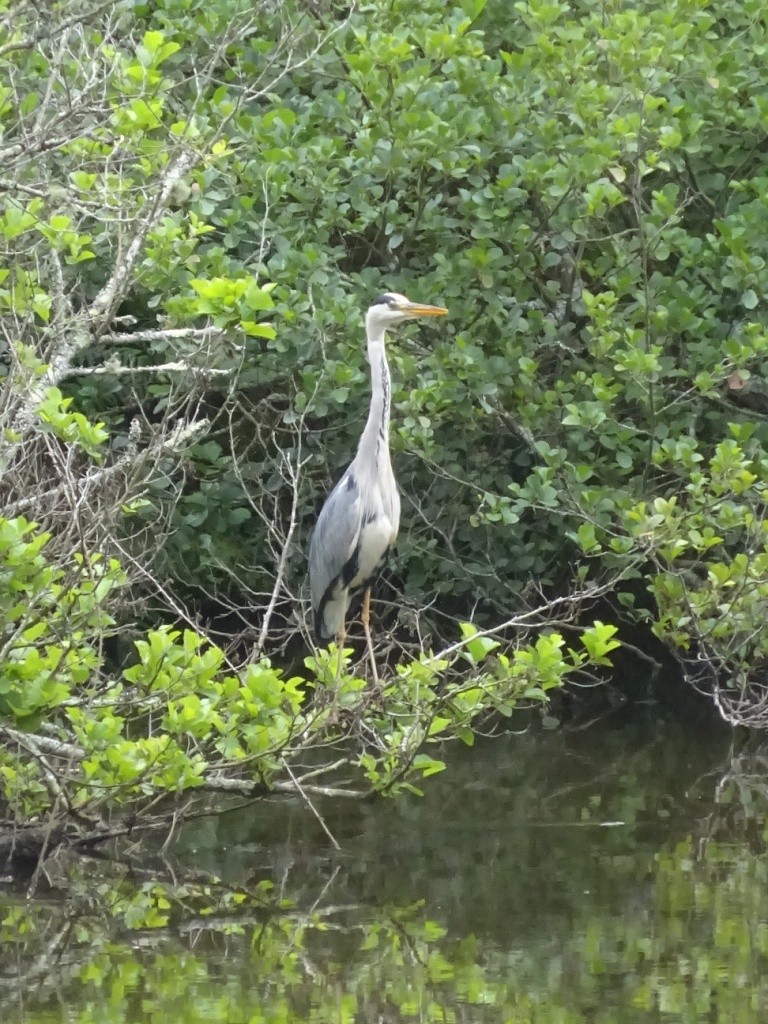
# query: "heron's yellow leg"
366,617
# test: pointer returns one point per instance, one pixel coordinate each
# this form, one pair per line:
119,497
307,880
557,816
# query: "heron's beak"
416,309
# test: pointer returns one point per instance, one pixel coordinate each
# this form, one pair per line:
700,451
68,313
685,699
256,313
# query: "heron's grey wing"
335,537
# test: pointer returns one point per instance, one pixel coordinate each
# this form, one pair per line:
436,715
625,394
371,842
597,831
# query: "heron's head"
391,308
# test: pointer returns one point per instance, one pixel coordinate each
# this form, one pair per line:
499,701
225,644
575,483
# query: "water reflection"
554,818
616,874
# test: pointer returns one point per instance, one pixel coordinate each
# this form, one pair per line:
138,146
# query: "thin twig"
312,807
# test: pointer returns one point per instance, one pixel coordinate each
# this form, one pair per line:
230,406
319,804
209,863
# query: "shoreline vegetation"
199,201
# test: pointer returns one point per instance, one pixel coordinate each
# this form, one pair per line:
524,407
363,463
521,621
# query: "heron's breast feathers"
376,538
368,552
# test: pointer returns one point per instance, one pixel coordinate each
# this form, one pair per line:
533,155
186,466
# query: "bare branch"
101,309
200,334
117,370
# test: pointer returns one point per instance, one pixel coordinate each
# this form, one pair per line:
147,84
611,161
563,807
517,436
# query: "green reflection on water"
602,876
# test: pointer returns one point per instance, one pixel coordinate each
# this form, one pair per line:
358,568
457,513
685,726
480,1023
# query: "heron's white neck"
374,443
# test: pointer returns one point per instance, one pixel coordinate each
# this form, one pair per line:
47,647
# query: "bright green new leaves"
178,713
62,236
229,301
582,187
477,648
253,715
55,414
126,768
171,667
17,219
155,49
428,702
599,641
49,620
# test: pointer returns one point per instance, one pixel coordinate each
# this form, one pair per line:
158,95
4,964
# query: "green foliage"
181,718
428,702
583,187
54,413
228,302
50,620
253,715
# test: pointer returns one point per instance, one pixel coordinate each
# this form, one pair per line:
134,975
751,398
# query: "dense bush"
205,197
84,743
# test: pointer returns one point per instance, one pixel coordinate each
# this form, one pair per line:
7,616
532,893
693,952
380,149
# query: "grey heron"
359,521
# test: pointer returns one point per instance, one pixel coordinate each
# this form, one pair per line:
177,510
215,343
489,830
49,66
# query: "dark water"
611,874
